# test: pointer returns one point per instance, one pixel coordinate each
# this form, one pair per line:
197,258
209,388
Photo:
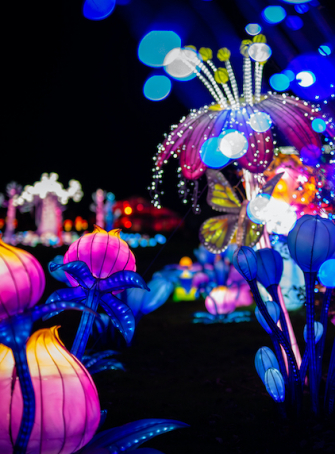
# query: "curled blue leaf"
122,280
127,437
121,315
78,270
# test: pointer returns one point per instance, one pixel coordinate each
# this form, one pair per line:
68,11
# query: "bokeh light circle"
323,70
154,46
180,63
325,50
305,78
289,74
319,125
257,207
98,9
259,52
157,88
294,22
326,273
233,143
301,9
211,155
253,29
279,82
260,121
310,154
274,14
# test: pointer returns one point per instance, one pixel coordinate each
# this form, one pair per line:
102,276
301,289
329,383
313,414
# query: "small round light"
305,78
319,125
279,82
253,29
180,63
294,22
260,121
211,155
325,50
259,52
289,74
233,144
274,14
155,45
301,9
326,273
157,88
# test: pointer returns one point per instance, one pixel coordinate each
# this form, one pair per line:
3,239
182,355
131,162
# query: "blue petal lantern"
274,384
245,261
264,360
274,311
311,242
269,267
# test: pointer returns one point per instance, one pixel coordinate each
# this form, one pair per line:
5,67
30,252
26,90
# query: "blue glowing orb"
274,14
279,82
325,50
98,9
211,155
301,9
260,121
253,29
310,155
259,52
154,47
294,22
305,78
326,273
289,74
319,125
157,88
314,76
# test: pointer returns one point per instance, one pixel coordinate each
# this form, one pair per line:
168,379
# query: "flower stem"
85,326
323,320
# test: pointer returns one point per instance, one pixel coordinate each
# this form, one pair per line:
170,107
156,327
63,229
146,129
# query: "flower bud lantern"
67,403
104,253
22,280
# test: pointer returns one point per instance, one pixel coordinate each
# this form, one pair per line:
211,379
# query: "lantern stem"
330,384
28,396
323,320
310,316
86,323
279,335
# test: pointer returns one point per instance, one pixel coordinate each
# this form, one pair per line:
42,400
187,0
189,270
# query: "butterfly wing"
221,195
216,233
252,232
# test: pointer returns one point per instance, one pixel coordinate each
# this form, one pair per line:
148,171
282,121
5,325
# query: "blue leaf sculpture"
274,384
121,315
125,438
264,359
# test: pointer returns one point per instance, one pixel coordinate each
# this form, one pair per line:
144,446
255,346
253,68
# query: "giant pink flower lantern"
67,404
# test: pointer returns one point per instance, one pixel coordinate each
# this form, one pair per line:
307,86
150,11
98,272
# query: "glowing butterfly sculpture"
217,233
99,265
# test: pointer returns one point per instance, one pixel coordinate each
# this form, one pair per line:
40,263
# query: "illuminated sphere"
67,403
185,261
274,14
155,45
319,125
259,52
180,63
211,154
104,253
22,280
253,29
256,208
326,273
157,88
233,144
279,82
260,121
98,9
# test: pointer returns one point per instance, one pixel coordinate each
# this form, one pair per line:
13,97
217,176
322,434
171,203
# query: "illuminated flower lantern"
224,300
48,196
99,265
67,403
22,280
234,127
12,189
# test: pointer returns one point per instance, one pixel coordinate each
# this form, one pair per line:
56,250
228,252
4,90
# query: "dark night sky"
72,99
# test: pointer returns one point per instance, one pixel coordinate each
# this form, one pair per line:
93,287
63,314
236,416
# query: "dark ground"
202,375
